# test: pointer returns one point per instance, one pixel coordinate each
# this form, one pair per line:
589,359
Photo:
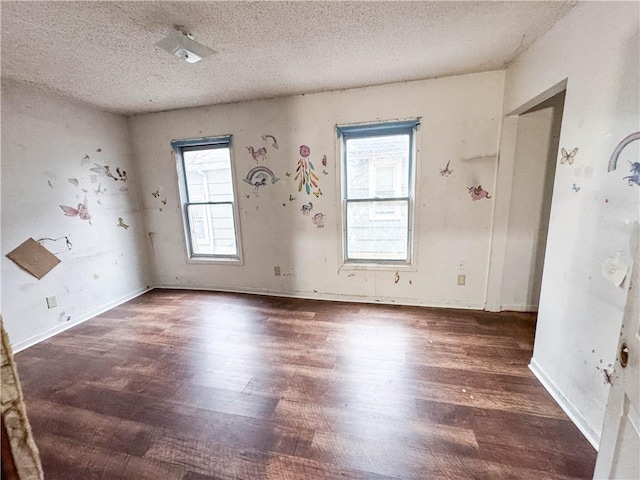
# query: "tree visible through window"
208,197
378,191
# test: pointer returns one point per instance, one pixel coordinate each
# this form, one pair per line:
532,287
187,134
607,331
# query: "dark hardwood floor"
199,386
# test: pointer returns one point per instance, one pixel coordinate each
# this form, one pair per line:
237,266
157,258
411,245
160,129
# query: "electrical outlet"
462,280
276,271
52,301
461,265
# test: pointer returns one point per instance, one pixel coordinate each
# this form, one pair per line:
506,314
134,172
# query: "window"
378,162
208,198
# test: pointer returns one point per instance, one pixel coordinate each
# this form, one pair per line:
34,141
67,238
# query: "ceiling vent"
183,46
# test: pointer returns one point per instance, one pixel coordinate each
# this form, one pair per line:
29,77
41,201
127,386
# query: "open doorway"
534,167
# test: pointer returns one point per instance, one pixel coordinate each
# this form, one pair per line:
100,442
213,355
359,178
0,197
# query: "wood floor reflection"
199,386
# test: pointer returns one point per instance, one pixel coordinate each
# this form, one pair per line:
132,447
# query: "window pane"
208,175
212,229
377,230
378,166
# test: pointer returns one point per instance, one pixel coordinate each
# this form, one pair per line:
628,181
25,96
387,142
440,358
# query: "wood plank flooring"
200,386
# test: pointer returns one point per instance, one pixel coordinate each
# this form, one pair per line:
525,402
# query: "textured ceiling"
103,53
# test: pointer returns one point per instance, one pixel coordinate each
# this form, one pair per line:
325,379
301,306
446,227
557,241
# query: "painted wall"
532,186
46,142
595,47
460,123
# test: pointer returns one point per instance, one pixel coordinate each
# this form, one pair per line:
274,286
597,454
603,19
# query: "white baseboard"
29,342
513,307
332,297
567,405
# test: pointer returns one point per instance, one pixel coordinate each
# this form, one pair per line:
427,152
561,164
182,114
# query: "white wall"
594,47
460,122
44,140
537,139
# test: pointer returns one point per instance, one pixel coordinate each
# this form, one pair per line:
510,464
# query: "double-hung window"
208,198
378,191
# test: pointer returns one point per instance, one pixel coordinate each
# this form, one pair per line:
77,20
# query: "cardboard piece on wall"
34,258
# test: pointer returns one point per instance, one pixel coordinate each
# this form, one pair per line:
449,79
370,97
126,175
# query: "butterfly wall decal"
568,157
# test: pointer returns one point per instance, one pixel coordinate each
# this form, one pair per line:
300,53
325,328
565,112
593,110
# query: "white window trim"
409,265
207,259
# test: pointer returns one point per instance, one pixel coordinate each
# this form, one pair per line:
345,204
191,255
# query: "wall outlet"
462,280
276,271
52,301
461,265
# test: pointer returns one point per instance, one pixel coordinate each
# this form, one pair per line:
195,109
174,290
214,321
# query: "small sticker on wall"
306,209
613,160
81,212
105,171
258,154
274,142
318,220
305,174
259,177
446,172
122,224
575,188
478,193
634,178
568,157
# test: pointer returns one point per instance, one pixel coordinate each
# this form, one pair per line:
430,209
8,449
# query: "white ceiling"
103,53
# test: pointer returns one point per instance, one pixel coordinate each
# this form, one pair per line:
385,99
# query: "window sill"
201,260
385,267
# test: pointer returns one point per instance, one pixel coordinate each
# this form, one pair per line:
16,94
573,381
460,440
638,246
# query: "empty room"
320,240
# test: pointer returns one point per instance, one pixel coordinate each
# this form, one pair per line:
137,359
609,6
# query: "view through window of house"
378,190
209,198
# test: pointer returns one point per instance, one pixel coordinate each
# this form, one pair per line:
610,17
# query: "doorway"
526,175
537,141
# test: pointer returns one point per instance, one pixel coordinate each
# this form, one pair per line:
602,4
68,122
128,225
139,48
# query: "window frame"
377,129
206,143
